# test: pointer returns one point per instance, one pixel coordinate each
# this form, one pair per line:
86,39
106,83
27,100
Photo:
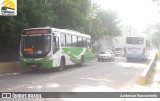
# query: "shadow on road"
53,70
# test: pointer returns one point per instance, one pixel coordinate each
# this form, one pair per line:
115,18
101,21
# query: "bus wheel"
62,64
82,61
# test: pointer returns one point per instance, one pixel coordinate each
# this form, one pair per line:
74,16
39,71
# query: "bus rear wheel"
62,64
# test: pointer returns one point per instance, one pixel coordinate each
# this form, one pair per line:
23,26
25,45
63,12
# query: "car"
118,52
106,55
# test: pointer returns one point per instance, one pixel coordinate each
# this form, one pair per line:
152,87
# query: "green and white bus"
52,47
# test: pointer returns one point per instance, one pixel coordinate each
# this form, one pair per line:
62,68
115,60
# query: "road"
94,76
117,76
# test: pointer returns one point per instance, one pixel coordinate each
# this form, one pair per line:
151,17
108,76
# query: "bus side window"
56,41
68,40
55,44
88,43
80,42
74,41
84,42
63,40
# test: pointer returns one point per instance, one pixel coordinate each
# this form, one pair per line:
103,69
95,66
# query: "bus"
136,48
5,9
52,47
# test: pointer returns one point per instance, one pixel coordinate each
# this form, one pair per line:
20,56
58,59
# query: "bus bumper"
46,64
135,56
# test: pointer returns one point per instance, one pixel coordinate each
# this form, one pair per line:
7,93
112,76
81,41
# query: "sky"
138,13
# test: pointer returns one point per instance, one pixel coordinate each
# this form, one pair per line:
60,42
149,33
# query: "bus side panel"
88,55
74,54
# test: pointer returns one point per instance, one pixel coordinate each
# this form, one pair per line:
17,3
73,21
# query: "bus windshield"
35,46
4,8
135,40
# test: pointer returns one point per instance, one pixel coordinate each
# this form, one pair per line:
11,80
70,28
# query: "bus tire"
62,64
82,61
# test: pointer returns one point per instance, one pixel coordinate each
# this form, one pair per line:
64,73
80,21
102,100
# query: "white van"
118,51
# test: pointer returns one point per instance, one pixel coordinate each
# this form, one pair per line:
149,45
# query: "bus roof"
66,31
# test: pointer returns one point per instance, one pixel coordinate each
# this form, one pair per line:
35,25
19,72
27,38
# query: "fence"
9,54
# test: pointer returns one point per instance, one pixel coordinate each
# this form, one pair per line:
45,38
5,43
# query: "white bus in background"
136,47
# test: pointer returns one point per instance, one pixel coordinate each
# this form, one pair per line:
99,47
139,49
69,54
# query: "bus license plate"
33,65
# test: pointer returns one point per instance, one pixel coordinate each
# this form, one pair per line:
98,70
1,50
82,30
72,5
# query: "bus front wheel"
81,61
62,64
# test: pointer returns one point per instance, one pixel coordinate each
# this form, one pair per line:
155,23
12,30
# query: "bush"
158,53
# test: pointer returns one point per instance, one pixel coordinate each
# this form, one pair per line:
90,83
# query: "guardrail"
10,54
146,74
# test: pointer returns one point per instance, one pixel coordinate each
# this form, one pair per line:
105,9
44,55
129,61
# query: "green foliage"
158,54
71,14
104,23
39,14
79,15
154,32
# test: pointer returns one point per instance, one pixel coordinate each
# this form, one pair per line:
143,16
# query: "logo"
6,95
8,8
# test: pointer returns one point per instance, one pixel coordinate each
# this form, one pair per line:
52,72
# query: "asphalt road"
117,76
93,77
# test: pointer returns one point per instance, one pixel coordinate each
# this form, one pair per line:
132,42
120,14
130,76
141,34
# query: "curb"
156,78
146,74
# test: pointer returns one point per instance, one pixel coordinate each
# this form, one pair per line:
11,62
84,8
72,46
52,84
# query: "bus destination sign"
36,31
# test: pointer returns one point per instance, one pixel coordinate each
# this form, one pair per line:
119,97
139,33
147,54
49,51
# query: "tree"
104,23
156,35
153,31
11,27
39,13
79,15
71,14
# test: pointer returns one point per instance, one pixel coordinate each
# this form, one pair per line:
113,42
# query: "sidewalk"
11,67
152,86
